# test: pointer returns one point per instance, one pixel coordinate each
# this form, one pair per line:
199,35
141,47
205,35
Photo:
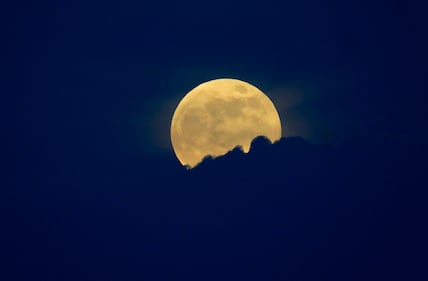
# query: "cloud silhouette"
298,210
291,210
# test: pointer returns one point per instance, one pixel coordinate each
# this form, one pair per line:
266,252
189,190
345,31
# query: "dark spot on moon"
241,89
222,109
253,102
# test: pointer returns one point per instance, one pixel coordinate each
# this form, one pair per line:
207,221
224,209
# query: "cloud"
291,210
313,210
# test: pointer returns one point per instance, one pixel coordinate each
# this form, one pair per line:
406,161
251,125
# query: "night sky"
101,195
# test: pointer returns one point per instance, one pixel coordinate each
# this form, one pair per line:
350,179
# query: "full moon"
219,115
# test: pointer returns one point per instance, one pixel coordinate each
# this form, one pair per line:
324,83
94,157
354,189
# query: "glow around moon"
218,115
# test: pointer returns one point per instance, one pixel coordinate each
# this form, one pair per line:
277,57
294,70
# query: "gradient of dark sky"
109,73
98,82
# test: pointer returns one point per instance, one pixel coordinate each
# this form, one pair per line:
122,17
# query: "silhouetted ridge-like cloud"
260,143
261,150
291,210
314,209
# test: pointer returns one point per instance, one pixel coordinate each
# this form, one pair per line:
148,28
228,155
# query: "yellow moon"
218,115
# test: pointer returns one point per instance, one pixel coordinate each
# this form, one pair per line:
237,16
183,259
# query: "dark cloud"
288,210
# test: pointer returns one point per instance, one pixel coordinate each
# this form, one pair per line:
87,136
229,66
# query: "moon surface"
219,115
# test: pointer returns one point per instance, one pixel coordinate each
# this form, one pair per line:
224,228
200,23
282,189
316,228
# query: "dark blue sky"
112,72
96,176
